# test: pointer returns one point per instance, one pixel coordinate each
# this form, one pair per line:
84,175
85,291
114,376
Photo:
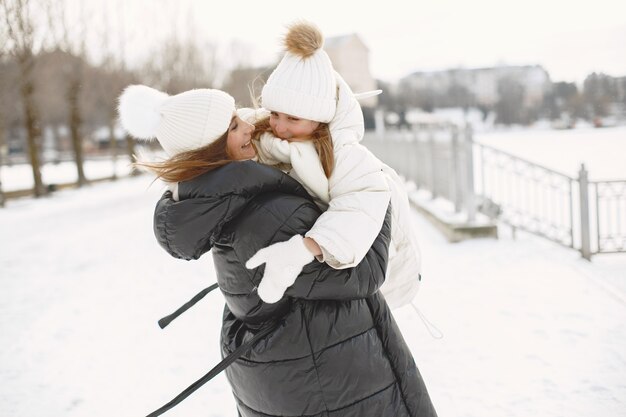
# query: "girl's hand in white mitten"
283,263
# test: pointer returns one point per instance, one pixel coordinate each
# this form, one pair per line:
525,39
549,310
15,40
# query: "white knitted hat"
303,84
180,123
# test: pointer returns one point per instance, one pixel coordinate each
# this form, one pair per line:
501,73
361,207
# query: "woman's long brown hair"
188,165
321,139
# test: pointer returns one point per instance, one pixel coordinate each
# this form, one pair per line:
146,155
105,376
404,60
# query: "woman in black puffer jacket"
334,348
330,346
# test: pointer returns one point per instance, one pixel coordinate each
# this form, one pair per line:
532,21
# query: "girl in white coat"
311,126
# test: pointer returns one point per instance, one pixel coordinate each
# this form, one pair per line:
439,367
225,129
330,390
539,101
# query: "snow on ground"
529,328
20,176
601,150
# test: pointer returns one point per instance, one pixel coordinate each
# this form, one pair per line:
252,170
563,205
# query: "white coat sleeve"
359,198
358,189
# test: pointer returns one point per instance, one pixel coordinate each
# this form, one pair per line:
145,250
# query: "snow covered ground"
529,328
20,176
603,151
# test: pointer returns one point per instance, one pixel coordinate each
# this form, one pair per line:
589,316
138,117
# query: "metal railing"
610,221
531,197
589,216
437,160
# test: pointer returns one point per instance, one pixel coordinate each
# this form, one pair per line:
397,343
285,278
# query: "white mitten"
283,263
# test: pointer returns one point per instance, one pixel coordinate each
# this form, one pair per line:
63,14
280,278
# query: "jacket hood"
347,126
188,228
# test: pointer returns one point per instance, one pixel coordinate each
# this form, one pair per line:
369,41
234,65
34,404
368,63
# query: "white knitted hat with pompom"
303,84
180,123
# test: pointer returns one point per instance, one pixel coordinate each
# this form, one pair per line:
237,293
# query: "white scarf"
306,165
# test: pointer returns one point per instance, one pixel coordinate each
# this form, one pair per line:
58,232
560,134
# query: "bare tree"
599,90
177,66
510,105
108,62
70,38
3,146
106,83
122,66
23,46
182,61
245,84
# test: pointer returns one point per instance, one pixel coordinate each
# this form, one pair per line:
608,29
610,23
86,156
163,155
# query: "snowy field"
603,151
529,328
20,176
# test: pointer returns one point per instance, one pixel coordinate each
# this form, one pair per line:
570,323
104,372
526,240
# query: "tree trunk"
56,135
130,148
75,122
113,145
2,153
32,127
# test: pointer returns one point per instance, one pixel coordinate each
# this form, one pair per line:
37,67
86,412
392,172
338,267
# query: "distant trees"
564,100
245,83
3,104
407,96
49,84
69,37
23,43
459,96
512,101
599,91
510,105
180,65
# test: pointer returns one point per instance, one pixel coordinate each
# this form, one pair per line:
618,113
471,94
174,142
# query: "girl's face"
239,137
291,128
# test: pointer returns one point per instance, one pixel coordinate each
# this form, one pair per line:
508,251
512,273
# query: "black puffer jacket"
337,350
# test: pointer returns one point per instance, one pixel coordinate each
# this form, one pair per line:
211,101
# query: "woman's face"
291,128
239,137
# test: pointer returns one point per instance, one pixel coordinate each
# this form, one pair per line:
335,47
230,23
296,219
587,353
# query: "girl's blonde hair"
321,139
191,164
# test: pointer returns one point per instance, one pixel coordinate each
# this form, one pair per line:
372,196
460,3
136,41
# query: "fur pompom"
139,110
303,39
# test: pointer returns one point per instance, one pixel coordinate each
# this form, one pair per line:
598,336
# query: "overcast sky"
569,38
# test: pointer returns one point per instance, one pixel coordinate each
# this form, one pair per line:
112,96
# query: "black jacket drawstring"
232,357
168,319
216,370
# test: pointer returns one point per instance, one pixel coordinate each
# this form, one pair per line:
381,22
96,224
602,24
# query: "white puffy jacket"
356,197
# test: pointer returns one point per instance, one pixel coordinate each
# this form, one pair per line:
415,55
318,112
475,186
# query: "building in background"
350,57
484,83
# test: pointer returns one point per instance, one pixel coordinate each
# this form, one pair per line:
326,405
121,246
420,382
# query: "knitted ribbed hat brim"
298,104
194,119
